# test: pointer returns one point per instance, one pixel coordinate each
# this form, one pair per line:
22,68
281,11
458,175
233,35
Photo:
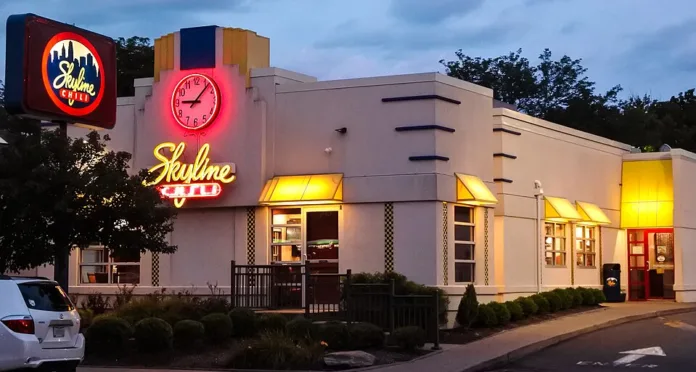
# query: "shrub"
175,309
599,296
529,307
336,335
244,321
86,317
515,310
302,329
542,303
501,313
213,305
97,303
566,298
365,336
188,333
108,334
587,296
577,296
468,307
403,286
486,317
137,310
554,301
272,323
409,338
275,351
218,327
153,335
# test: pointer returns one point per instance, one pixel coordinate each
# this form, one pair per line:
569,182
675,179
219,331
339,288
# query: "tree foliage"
559,91
58,193
135,58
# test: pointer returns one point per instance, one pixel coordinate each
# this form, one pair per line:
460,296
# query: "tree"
58,193
468,307
135,58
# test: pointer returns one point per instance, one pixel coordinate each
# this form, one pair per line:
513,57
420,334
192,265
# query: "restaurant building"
421,174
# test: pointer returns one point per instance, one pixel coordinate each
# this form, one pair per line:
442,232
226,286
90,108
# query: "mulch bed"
464,336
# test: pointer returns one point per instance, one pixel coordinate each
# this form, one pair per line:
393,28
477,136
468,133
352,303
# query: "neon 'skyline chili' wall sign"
180,181
58,72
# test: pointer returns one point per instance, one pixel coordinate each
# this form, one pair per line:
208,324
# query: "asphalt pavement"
657,344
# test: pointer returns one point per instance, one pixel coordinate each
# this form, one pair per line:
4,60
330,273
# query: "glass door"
322,256
638,266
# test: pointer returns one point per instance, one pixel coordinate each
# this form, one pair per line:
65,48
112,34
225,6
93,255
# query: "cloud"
431,12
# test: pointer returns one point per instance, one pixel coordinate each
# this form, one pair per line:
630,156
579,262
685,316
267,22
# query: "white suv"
39,326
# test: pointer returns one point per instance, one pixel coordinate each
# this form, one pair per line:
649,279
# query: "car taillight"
25,326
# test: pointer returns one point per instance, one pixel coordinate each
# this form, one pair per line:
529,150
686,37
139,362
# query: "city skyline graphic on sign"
70,57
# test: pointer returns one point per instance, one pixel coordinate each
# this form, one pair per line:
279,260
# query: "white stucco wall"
684,173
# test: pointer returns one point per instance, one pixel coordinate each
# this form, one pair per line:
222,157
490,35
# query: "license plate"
58,332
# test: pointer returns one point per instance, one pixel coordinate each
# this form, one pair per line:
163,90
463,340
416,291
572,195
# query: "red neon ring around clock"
216,108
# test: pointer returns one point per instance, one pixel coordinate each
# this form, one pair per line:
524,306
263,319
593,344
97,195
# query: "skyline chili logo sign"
59,73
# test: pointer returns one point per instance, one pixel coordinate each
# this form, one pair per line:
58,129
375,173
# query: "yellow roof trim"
471,190
303,189
560,210
591,213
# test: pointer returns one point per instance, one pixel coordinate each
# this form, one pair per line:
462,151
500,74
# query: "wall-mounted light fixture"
342,130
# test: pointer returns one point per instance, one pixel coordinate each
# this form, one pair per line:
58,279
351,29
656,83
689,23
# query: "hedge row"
493,314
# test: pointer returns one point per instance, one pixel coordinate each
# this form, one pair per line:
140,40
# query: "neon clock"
195,101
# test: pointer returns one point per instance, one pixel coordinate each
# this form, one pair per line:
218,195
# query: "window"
98,266
45,296
286,235
585,246
555,244
463,244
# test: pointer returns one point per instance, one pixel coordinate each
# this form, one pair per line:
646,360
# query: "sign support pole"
61,266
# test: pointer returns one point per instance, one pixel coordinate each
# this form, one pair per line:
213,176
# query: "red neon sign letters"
191,191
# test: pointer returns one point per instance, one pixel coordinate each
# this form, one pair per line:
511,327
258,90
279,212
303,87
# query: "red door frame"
644,257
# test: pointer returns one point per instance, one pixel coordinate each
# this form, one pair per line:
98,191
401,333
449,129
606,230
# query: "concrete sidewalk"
517,343
514,344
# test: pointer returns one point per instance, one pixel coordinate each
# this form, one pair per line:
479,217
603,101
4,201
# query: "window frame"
563,252
108,264
298,242
472,243
592,251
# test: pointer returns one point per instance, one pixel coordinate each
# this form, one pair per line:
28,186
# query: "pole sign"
58,72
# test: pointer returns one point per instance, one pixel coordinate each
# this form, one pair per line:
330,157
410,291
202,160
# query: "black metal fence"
332,297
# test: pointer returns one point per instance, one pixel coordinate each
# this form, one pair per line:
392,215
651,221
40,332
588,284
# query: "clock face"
195,101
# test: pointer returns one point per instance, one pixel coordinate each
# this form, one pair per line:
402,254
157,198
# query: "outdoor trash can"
611,281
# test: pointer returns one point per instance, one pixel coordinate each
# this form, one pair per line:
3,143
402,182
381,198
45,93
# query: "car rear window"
45,297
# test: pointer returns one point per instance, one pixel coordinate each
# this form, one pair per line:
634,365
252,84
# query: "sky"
646,46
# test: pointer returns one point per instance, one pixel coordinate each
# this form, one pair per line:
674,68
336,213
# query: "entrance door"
638,262
322,256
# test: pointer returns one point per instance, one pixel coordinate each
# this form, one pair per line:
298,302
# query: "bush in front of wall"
276,351
336,335
486,317
529,307
577,296
175,309
244,322
271,323
515,309
409,338
366,336
599,296
554,301
137,310
468,307
302,329
566,298
153,335
543,305
108,334
587,296
218,327
502,314
188,333
86,317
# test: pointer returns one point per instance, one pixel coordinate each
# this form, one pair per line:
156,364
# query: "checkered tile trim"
445,246
155,270
251,235
388,237
485,245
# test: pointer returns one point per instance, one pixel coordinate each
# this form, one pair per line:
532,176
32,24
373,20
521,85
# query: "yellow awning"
591,213
471,190
304,189
560,210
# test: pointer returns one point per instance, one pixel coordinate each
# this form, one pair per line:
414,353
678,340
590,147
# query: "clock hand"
197,100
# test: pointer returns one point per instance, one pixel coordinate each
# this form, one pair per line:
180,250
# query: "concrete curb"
541,345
